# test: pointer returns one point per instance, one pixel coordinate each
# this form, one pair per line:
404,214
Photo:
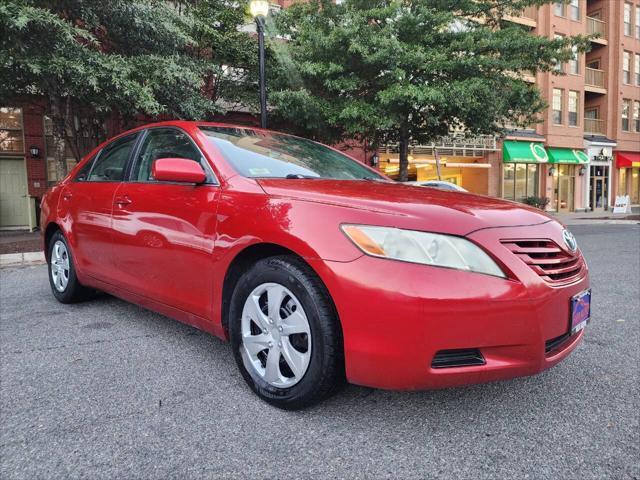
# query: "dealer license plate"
580,311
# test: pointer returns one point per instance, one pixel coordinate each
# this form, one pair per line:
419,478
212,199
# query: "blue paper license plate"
580,310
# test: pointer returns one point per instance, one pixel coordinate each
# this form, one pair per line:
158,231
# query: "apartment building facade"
585,152
594,106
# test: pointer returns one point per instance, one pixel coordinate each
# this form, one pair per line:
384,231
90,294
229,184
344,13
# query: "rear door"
164,232
86,205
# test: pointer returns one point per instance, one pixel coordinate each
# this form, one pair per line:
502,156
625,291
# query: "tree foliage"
402,71
91,58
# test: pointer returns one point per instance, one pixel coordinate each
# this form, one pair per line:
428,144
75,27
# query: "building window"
626,106
627,19
574,62
573,108
559,67
11,140
637,67
574,10
520,180
626,67
636,116
559,9
557,106
592,113
638,22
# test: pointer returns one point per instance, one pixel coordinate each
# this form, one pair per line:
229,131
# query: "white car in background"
441,184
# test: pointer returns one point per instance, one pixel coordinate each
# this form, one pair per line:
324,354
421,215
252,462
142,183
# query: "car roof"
193,123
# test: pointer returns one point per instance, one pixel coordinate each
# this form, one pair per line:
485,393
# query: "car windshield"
261,154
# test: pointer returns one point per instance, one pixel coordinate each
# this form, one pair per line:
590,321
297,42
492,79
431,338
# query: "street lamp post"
259,10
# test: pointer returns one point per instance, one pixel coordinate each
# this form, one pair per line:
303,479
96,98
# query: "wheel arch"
51,229
248,256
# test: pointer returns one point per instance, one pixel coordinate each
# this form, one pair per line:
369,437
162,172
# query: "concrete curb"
21,259
583,221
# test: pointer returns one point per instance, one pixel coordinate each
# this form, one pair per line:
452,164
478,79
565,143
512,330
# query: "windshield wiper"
296,176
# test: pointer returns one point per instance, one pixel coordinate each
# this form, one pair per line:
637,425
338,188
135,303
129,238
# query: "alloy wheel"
60,266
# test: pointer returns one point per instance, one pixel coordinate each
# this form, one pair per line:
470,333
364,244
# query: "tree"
93,58
226,51
403,71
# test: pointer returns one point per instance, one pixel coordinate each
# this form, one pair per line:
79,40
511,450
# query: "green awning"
567,155
523,152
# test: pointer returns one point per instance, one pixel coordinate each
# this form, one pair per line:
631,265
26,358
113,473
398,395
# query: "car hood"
406,206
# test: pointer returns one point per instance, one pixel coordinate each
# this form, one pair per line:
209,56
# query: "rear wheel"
62,274
285,333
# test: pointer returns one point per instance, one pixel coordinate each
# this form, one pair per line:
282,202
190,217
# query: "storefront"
567,168
471,173
628,165
599,175
521,169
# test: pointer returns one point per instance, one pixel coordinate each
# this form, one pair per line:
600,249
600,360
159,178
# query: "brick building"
584,153
587,148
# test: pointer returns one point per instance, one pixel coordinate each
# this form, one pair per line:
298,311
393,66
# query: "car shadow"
355,400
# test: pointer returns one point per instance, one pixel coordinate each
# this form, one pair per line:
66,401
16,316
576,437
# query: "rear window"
272,155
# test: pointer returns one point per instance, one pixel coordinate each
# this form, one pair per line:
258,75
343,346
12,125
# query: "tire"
310,359
62,274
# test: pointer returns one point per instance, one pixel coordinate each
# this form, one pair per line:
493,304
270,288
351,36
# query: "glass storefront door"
635,185
598,192
564,187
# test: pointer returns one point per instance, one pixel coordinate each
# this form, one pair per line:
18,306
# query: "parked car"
437,184
316,267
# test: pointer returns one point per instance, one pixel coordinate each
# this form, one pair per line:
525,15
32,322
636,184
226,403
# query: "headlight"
419,247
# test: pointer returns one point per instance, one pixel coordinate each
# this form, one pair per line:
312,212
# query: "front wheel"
285,333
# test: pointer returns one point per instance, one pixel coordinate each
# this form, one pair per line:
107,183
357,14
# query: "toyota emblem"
569,240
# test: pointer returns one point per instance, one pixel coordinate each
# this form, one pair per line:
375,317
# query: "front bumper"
396,316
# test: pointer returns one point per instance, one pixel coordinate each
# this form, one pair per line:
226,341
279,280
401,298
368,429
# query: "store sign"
622,205
539,152
605,155
581,156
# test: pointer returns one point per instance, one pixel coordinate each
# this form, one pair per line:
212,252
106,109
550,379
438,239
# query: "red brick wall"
33,125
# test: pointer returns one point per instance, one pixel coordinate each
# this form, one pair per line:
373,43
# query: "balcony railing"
594,77
595,125
595,25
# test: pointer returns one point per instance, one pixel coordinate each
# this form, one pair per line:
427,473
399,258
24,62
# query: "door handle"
122,201
67,195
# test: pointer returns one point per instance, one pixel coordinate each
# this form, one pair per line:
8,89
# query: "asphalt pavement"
106,389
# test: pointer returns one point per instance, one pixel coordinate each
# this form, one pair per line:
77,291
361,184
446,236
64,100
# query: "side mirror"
178,170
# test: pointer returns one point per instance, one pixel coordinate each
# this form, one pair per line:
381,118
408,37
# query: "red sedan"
315,267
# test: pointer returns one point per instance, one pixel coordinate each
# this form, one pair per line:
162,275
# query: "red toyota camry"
315,267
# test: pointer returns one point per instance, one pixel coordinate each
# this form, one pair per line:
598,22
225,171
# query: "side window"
110,165
82,175
163,143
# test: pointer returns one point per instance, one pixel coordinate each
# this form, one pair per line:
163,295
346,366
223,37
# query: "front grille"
466,357
555,343
547,259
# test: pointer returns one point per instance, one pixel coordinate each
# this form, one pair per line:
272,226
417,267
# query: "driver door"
164,232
